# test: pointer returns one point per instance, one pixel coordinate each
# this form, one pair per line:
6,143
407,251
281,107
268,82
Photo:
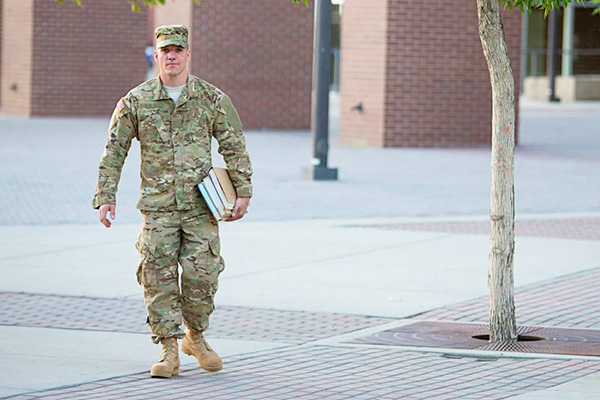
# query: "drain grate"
449,335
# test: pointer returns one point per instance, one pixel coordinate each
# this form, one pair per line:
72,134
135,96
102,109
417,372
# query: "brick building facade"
78,61
418,74
263,61
70,60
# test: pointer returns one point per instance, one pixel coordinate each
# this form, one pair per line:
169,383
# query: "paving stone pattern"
128,315
328,373
49,166
562,228
570,302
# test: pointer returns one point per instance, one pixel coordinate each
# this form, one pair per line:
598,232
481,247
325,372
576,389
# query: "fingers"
103,219
113,211
235,212
238,212
234,215
103,211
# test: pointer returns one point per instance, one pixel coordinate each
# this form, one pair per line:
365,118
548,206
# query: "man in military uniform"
174,117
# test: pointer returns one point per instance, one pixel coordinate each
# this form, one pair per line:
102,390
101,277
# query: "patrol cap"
171,35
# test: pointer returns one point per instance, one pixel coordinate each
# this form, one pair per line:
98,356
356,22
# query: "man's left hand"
240,209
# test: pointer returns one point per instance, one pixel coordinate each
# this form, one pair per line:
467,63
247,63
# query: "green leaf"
135,7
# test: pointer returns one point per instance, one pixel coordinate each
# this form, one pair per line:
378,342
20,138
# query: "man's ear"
156,55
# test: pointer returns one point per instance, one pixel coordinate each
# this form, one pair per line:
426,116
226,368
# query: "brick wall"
260,54
85,59
15,86
437,88
362,71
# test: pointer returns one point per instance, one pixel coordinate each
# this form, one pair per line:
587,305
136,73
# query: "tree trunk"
502,319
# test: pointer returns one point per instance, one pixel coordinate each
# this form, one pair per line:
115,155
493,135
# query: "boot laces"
169,347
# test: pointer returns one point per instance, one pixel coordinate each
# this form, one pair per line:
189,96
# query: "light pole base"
319,173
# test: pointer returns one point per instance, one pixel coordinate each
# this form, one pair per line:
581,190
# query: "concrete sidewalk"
313,267
331,267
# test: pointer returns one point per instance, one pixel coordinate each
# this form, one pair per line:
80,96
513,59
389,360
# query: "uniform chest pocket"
153,128
202,136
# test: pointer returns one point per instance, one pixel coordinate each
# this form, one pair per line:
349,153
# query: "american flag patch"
120,106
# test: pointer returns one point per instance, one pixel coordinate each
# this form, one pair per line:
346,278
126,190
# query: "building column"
414,77
17,74
524,48
364,39
175,12
567,49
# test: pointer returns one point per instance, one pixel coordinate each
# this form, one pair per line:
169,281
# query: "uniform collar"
160,93
189,90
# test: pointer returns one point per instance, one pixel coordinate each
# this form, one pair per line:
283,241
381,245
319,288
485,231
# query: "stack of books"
218,192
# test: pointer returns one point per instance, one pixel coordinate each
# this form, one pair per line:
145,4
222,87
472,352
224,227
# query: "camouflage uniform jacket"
175,144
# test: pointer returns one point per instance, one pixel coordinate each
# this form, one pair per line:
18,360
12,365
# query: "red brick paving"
571,301
327,372
127,315
561,228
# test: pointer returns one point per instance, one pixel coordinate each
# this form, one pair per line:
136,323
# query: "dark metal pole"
551,55
320,94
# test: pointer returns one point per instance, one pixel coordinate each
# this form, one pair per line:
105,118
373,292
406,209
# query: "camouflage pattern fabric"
169,238
175,144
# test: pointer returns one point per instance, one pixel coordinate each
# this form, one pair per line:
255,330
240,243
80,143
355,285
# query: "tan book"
220,177
218,192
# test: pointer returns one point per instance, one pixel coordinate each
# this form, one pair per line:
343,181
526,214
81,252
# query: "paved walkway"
48,168
314,272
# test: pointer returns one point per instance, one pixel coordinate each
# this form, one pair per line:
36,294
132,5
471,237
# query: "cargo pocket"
215,246
215,249
145,273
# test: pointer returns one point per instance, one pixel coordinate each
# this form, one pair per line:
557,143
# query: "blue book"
209,201
214,196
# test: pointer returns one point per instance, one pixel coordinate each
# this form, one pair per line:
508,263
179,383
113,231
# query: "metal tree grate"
461,336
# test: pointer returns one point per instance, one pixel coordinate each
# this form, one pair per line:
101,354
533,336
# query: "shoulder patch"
120,107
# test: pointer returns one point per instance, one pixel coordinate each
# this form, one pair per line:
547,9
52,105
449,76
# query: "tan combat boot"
194,344
168,364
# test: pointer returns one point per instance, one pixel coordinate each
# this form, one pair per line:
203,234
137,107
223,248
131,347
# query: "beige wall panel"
363,72
17,28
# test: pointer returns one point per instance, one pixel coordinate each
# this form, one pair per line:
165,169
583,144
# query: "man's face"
172,60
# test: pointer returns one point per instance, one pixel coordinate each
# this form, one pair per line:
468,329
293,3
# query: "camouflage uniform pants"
169,239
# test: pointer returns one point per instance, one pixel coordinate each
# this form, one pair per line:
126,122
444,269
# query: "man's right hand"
103,210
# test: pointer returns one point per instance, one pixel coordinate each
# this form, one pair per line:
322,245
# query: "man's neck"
173,81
